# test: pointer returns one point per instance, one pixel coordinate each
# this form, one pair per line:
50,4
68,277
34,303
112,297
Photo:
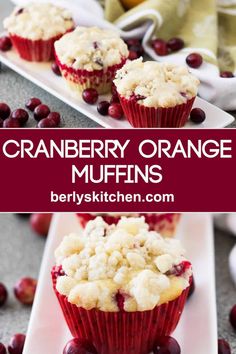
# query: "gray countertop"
21,252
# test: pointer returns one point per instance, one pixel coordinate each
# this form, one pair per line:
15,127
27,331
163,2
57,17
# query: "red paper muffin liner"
165,223
79,80
122,332
38,50
140,116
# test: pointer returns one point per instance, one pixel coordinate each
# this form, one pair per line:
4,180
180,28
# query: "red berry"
194,60
56,69
5,44
79,346
41,111
3,349
4,111
197,115
47,123
175,44
40,223
226,74
115,111
24,290
160,47
3,294
33,103
167,345
223,347
55,117
11,123
133,42
133,55
16,344
232,317
102,108
137,49
21,115
90,95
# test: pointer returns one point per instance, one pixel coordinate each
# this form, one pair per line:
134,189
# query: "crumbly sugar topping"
91,49
155,84
126,259
39,21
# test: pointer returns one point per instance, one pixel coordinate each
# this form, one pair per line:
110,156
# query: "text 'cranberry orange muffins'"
164,223
156,94
121,287
90,57
33,29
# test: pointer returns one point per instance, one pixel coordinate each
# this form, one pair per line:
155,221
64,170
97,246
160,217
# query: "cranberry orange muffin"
90,57
34,29
156,94
121,286
164,223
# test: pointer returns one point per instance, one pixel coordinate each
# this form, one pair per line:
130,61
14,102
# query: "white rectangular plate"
197,330
42,75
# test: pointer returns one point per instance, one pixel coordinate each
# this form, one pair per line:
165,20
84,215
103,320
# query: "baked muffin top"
91,49
121,267
39,21
154,84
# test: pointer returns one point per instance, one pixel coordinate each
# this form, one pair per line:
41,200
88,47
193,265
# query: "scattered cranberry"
11,123
226,74
4,111
133,55
78,346
33,103
24,290
223,347
1,122
41,111
232,317
167,345
3,294
3,349
56,69
16,344
90,95
55,117
47,123
160,47
192,288
138,49
5,44
40,223
194,60
133,42
21,115
175,44
197,115
115,111
102,108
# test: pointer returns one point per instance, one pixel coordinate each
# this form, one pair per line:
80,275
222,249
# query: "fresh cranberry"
56,69
40,223
160,47
1,122
137,49
232,317
115,111
47,123
133,55
3,349
192,288
197,115
55,117
167,345
3,294
133,42
226,74
16,344
175,44
102,107
194,60
90,95
11,123
24,290
223,347
79,346
41,111
33,103
4,111
179,269
5,44
21,115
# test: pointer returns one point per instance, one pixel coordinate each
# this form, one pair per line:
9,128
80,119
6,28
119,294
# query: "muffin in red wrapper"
164,223
90,57
121,287
156,95
33,30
